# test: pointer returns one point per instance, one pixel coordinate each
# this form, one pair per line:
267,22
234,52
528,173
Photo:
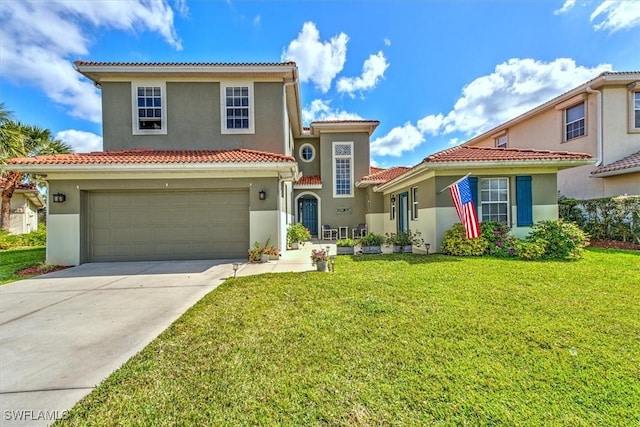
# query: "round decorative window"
307,152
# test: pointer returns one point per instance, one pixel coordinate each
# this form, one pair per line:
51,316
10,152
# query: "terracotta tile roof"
30,186
463,153
148,156
345,121
178,64
309,180
384,175
631,161
375,169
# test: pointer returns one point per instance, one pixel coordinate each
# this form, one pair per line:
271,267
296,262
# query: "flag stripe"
461,195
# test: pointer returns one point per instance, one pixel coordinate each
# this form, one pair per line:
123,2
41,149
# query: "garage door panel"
136,226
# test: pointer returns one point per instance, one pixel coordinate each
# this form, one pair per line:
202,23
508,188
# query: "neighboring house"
25,203
515,186
202,160
601,118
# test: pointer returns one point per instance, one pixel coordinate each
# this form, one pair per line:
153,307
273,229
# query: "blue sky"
434,73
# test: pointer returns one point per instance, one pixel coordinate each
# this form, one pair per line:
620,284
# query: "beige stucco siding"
193,119
616,112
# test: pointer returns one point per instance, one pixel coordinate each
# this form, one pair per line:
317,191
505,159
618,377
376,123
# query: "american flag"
461,195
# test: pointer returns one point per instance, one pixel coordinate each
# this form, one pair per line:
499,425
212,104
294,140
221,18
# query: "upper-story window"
501,141
237,108
636,109
307,152
494,199
149,108
574,122
343,169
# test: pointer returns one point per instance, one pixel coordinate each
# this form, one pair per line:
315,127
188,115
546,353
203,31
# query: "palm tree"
20,140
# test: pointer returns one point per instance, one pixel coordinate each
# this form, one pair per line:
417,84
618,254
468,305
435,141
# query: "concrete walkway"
62,333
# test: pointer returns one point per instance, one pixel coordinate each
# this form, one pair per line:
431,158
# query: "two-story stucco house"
25,204
600,117
200,160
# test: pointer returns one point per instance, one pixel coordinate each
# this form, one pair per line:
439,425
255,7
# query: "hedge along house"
516,186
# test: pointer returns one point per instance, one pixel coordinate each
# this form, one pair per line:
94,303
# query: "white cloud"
454,141
257,20
372,71
398,140
387,42
514,87
318,62
82,142
40,39
566,7
617,15
321,110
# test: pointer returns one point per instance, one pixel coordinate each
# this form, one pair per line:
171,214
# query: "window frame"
566,123
500,138
634,92
301,149
223,107
135,85
482,202
334,158
414,203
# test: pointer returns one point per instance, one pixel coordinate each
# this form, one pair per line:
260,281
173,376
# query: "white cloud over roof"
400,139
320,109
318,61
40,39
372,72
82,142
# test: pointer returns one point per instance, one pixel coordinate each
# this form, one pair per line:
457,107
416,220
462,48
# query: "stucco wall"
193,119
619,141
311,168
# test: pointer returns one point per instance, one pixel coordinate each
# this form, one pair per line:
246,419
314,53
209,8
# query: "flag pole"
454,183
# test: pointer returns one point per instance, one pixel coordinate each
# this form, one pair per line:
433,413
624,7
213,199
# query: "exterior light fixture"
235,269
427,245
393,198
332,258
59,198
262,195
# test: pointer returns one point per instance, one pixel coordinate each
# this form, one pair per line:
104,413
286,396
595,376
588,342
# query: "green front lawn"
396,340
12,260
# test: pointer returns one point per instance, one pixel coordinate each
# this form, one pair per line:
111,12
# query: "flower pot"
398,249
274,257
321,265
294,245
344,250
264,258
371,250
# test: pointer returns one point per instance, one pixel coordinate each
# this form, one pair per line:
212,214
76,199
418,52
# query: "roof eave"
487,164
616,172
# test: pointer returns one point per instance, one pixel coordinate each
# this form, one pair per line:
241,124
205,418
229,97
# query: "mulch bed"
36,270
614,244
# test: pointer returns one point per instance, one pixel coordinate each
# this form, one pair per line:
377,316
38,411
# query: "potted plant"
274,253
319,259
296,234
404,241
259,253
371,243
345,246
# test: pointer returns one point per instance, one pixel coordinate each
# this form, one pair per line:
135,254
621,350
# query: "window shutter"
473,183
524,201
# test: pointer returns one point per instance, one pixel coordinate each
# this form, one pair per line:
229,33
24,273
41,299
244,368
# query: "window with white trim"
307,152
149,108
494,199
236,107
414,202
343,169
636,110
574,122
501,141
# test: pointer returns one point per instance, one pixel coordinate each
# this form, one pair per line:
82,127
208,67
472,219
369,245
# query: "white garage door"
168,225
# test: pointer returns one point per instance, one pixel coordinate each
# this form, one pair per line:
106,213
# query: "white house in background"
25,203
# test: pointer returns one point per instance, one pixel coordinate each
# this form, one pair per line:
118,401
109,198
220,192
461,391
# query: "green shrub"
455,242
372,239
562,240
297,233
499,242
35,238
530,250
345,243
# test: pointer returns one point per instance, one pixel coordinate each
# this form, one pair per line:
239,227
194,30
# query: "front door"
309,214
403,213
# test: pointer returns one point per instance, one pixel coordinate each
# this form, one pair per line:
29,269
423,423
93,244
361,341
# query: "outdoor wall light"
59,198
393,198
235,269
262,195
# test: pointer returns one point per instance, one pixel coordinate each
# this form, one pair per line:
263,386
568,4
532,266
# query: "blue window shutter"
473,183
524,201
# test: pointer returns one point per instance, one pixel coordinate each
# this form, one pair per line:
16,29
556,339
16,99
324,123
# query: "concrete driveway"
61,334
